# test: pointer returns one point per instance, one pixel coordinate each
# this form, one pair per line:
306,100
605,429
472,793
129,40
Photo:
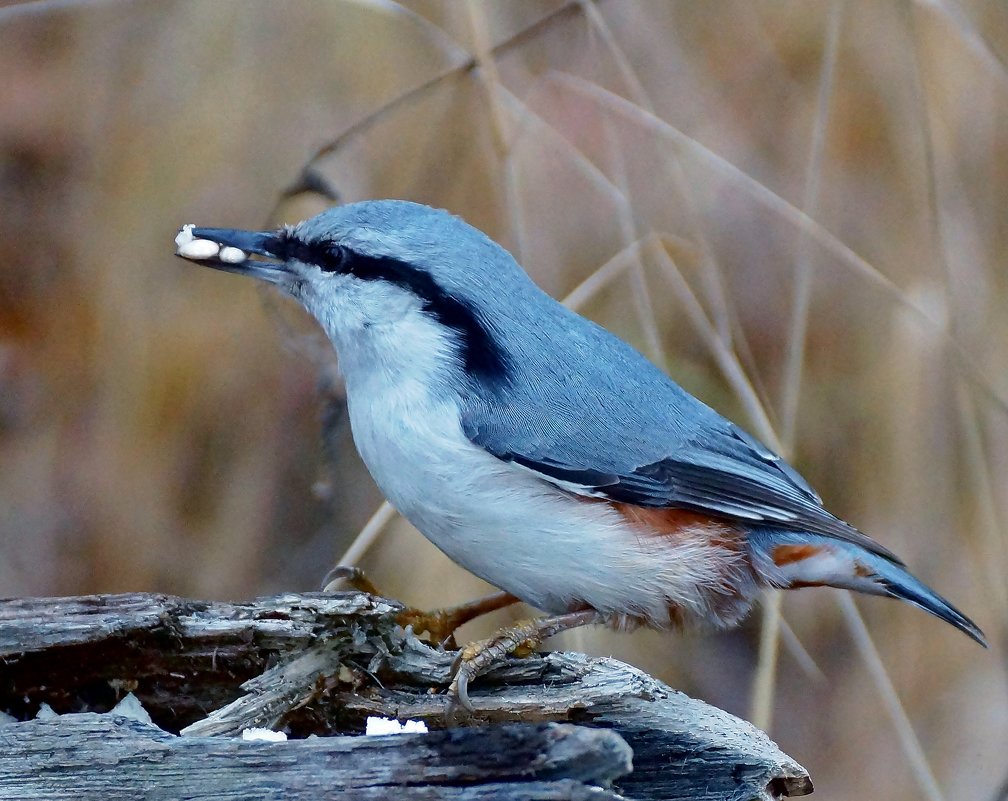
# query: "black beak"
234,251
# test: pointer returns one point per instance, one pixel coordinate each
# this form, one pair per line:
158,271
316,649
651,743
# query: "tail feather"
788,560
920,595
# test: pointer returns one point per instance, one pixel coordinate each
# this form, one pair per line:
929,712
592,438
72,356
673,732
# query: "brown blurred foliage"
817,191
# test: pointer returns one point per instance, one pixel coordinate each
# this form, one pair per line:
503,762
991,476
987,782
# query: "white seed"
184,235
199,249
232,255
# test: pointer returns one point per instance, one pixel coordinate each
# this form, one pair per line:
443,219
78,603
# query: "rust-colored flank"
665,520
789,554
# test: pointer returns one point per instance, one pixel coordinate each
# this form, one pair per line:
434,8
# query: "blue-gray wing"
666,451
587,412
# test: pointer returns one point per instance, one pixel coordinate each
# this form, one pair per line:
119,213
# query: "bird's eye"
331,259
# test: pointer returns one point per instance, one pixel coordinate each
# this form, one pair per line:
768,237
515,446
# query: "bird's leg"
520,639
441,623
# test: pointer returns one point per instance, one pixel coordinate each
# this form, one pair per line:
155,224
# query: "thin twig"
766,666
711,274
887,692
723,355
767,197
795,356
970,35
765,675
368,535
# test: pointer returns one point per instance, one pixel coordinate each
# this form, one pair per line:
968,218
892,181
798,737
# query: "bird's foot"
441,624
519,640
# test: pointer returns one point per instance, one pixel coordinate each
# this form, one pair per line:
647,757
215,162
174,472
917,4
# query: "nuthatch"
539,451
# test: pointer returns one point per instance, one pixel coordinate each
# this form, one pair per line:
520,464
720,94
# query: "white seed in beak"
184,235
231,255
199,249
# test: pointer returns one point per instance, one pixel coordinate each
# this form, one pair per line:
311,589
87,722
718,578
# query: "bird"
538,450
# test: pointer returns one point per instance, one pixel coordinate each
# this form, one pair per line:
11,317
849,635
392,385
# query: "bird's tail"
789,560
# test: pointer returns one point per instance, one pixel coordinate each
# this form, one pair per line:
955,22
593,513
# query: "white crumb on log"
263,735
376,727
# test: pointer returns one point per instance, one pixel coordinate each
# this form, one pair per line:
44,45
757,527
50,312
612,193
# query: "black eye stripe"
327,256
480,352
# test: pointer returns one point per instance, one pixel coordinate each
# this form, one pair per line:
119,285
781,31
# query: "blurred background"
795,208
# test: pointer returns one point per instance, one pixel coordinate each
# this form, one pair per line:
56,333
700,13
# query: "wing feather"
587,412
728,473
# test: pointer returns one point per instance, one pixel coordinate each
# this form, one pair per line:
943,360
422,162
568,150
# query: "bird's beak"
233,251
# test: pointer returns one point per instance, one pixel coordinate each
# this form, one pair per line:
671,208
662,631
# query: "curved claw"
337,573
478,657
352,575
460,689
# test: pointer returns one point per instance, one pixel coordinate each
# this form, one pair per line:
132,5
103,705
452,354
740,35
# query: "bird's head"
389,281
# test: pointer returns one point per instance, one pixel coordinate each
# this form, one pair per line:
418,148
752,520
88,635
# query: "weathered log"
321,663
112,757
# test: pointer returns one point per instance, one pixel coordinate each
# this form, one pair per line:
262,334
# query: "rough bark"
111,757
320,664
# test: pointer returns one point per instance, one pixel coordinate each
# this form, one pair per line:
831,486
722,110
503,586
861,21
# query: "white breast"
501,522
